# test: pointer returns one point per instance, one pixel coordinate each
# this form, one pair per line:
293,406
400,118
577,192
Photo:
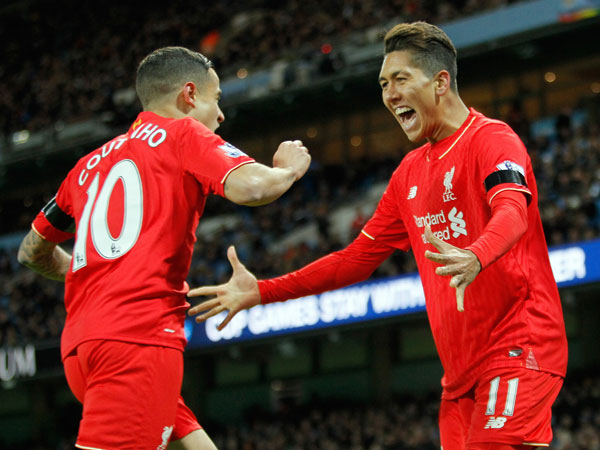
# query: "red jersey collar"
444,146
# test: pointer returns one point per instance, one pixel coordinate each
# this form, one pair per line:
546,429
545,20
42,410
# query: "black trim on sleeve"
58,218
504,176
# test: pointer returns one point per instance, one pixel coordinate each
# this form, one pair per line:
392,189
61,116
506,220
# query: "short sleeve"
502,161
55,222
207,157
386,225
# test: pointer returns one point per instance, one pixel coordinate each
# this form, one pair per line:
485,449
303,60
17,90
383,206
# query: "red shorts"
507,406
185,421
130,395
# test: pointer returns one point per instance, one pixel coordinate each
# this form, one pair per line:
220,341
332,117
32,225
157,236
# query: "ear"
442,82
189,93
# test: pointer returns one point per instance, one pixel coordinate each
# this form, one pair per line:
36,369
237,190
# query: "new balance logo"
495,422
412,193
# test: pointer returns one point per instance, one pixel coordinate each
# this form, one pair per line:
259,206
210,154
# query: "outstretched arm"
44,257
353,264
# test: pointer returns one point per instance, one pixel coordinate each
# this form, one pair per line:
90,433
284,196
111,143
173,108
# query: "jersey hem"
51,233
84,447
236,167
38,233
72,347
466,387
508,441
187,434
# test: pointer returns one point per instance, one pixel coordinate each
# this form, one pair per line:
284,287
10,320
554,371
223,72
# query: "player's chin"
414,137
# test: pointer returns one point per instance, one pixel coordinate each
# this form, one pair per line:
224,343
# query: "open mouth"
407,115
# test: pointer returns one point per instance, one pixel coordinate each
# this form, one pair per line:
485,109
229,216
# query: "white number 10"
96,221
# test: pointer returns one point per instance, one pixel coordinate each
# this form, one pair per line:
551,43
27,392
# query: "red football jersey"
136,203
513,315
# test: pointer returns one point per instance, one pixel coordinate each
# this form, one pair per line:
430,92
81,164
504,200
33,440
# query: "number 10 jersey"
134,206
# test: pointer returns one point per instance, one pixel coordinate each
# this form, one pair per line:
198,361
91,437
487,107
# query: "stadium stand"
51,77
402,423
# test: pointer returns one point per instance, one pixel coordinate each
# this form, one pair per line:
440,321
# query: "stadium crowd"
401,424
69,63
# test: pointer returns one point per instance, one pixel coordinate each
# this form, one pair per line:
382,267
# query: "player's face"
207,108
410,96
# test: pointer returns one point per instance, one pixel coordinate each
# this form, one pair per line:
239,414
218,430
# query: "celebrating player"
469,192
133,206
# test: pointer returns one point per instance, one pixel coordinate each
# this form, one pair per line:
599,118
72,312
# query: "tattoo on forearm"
44,257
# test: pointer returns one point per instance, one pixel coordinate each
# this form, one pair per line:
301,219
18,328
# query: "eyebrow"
393,75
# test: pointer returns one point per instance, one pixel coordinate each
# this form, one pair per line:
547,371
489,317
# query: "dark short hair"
166,69
431,48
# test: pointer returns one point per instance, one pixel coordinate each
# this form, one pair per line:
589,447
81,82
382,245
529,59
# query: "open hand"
461,264
240,292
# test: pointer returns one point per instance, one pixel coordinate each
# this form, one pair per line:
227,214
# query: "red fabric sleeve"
54,230
505,228
46,230
207,157
348,266
501,149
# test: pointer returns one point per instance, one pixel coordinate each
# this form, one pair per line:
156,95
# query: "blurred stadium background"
354,369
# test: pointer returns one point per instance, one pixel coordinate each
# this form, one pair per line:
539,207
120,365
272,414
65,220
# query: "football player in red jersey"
133,206
466,202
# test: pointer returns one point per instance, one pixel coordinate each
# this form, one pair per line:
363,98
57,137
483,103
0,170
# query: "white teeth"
402,110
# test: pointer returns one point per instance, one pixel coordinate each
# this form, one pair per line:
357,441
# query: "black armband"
502,177
58,218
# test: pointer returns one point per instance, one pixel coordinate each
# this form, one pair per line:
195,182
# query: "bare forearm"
44,257
274,185
256,184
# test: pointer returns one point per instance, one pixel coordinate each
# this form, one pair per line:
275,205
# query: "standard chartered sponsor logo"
430,219
457,224
354,304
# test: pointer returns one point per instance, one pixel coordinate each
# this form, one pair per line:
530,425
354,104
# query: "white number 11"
511,397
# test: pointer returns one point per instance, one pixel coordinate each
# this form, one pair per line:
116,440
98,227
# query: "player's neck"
453,113
166,110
